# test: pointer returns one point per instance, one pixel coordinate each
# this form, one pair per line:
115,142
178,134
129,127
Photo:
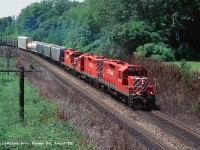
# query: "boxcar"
47,50
57,53
9,41
15,42
23,42
33,46
40,48
36,46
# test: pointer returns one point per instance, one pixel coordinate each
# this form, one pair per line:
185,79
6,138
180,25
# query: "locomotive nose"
138,84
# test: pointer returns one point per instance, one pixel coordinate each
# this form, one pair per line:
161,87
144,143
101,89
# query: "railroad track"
145,140
175,126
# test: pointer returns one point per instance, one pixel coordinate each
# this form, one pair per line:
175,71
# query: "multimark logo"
110,72
90,65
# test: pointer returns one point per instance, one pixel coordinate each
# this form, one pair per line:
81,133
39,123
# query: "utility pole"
21,89
21,94
8,60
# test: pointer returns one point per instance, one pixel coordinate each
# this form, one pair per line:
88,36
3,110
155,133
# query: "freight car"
35,46
57,53
23,42
127,82
11,42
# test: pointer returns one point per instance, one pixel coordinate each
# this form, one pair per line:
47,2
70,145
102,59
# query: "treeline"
162,29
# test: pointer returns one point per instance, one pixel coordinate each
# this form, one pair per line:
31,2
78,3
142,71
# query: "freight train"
128,83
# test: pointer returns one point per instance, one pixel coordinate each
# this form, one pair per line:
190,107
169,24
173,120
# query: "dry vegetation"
173,90
100,130
177,91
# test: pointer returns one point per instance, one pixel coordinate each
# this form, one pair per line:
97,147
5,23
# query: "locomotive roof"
122,68
23,37
71,51
131,67
94,56
115,62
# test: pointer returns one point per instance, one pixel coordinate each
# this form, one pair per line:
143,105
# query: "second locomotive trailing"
127,82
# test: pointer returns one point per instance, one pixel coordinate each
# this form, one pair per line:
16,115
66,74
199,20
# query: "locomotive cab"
137,79
141,88
71,57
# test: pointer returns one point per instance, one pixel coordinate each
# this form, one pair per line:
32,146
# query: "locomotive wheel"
136,105
91,82
97,86
125,101
74,73
106,90
87,80
130,102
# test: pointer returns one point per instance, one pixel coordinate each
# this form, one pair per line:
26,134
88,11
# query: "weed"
41,128
178,88
196,107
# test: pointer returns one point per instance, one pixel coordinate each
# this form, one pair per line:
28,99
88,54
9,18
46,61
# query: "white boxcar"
57,52
36,46
40,48
47,50
33,46
23,42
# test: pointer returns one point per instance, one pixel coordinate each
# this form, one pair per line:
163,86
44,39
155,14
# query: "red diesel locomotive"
127,82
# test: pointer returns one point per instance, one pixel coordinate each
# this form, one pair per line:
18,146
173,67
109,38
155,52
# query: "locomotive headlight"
142,82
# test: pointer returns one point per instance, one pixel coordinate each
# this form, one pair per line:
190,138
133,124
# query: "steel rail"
175,126
147,141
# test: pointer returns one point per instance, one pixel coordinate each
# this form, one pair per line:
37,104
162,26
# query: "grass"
42,127
193,64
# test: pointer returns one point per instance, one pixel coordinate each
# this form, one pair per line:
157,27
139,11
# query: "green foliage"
131,35
106,47
186,70
5,22
158,51
7,27
185,67
94,25
41,124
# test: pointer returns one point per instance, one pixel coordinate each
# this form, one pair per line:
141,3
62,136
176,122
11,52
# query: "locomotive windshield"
135,73
76,55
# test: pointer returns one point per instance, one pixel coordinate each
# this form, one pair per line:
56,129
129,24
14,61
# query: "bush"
185,67
158,51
